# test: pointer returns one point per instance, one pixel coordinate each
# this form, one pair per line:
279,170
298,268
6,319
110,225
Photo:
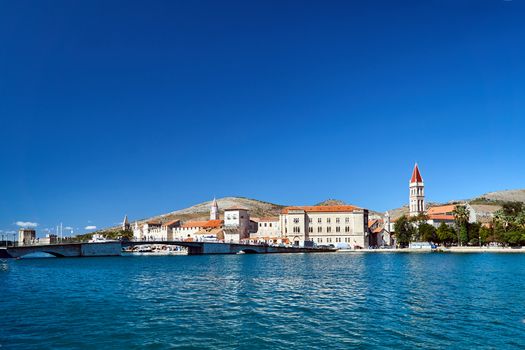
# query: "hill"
201,211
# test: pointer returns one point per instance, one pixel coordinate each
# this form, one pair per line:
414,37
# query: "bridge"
199,248
115,248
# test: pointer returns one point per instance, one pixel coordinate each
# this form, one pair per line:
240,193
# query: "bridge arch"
35,253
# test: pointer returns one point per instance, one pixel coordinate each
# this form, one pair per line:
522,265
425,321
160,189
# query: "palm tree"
461,217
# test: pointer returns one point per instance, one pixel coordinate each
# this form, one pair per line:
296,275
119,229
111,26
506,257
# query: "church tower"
417,193
125,224
214,211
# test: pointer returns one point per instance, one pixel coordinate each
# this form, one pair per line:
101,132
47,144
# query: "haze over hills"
259,208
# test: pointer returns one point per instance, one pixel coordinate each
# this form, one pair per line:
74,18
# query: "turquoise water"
284,301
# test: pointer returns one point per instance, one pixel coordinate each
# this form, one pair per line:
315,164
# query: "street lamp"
13,239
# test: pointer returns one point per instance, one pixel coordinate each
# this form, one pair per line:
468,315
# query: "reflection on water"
283,301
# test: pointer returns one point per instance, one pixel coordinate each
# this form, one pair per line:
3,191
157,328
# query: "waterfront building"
381,233
26,236
236,224
188,230
267,227
482,213
48,239
146,230
417,193
340,225
267,230
441,214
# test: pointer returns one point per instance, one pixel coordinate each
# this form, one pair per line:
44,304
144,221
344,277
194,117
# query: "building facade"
343,226
26,236
236,224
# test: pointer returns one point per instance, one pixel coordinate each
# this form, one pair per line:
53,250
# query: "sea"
274,301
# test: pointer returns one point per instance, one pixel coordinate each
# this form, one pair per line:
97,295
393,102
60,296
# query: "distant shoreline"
439,250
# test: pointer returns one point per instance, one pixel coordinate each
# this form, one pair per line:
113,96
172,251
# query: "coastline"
439,250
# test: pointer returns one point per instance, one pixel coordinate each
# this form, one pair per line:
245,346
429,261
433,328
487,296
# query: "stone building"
343,226
236,224
26,236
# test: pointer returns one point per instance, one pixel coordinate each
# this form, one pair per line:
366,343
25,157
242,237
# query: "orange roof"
322,208
441,209
153,222
416,176
372,222
209,223
169,223
441,217
377,230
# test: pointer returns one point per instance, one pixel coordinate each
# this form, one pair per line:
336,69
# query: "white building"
155,230
188,231
267,227
236,224
344,226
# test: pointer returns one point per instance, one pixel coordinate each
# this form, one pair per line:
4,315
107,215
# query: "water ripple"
284,301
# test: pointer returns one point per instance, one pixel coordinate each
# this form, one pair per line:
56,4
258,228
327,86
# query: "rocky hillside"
264,209
504,196
201,211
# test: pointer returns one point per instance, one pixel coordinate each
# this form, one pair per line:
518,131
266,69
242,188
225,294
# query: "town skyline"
142,114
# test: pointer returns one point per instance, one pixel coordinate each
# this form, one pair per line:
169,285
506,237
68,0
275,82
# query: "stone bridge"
68,249
115,248
198,248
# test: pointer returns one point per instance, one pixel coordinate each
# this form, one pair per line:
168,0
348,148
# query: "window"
328,229
270,224
337,220
310,220
329,240
296,220
337,229
319,229
347,228
310,229
297,229
319,220
328,220
265,224
347,220
319,240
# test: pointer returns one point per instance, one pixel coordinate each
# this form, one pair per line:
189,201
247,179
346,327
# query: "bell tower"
214,211
417,193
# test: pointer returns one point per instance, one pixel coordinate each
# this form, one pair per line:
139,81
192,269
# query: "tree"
484,234
427,232
445,234
461,217
404,231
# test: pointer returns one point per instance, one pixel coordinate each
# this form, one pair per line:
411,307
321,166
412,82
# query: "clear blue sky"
110,108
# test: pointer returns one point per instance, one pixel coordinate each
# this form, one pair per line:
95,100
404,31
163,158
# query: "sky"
110,108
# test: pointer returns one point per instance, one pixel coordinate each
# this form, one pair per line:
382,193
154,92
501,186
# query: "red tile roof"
203,224
169,223
153,222
322,208
441,217
416,176
442,209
